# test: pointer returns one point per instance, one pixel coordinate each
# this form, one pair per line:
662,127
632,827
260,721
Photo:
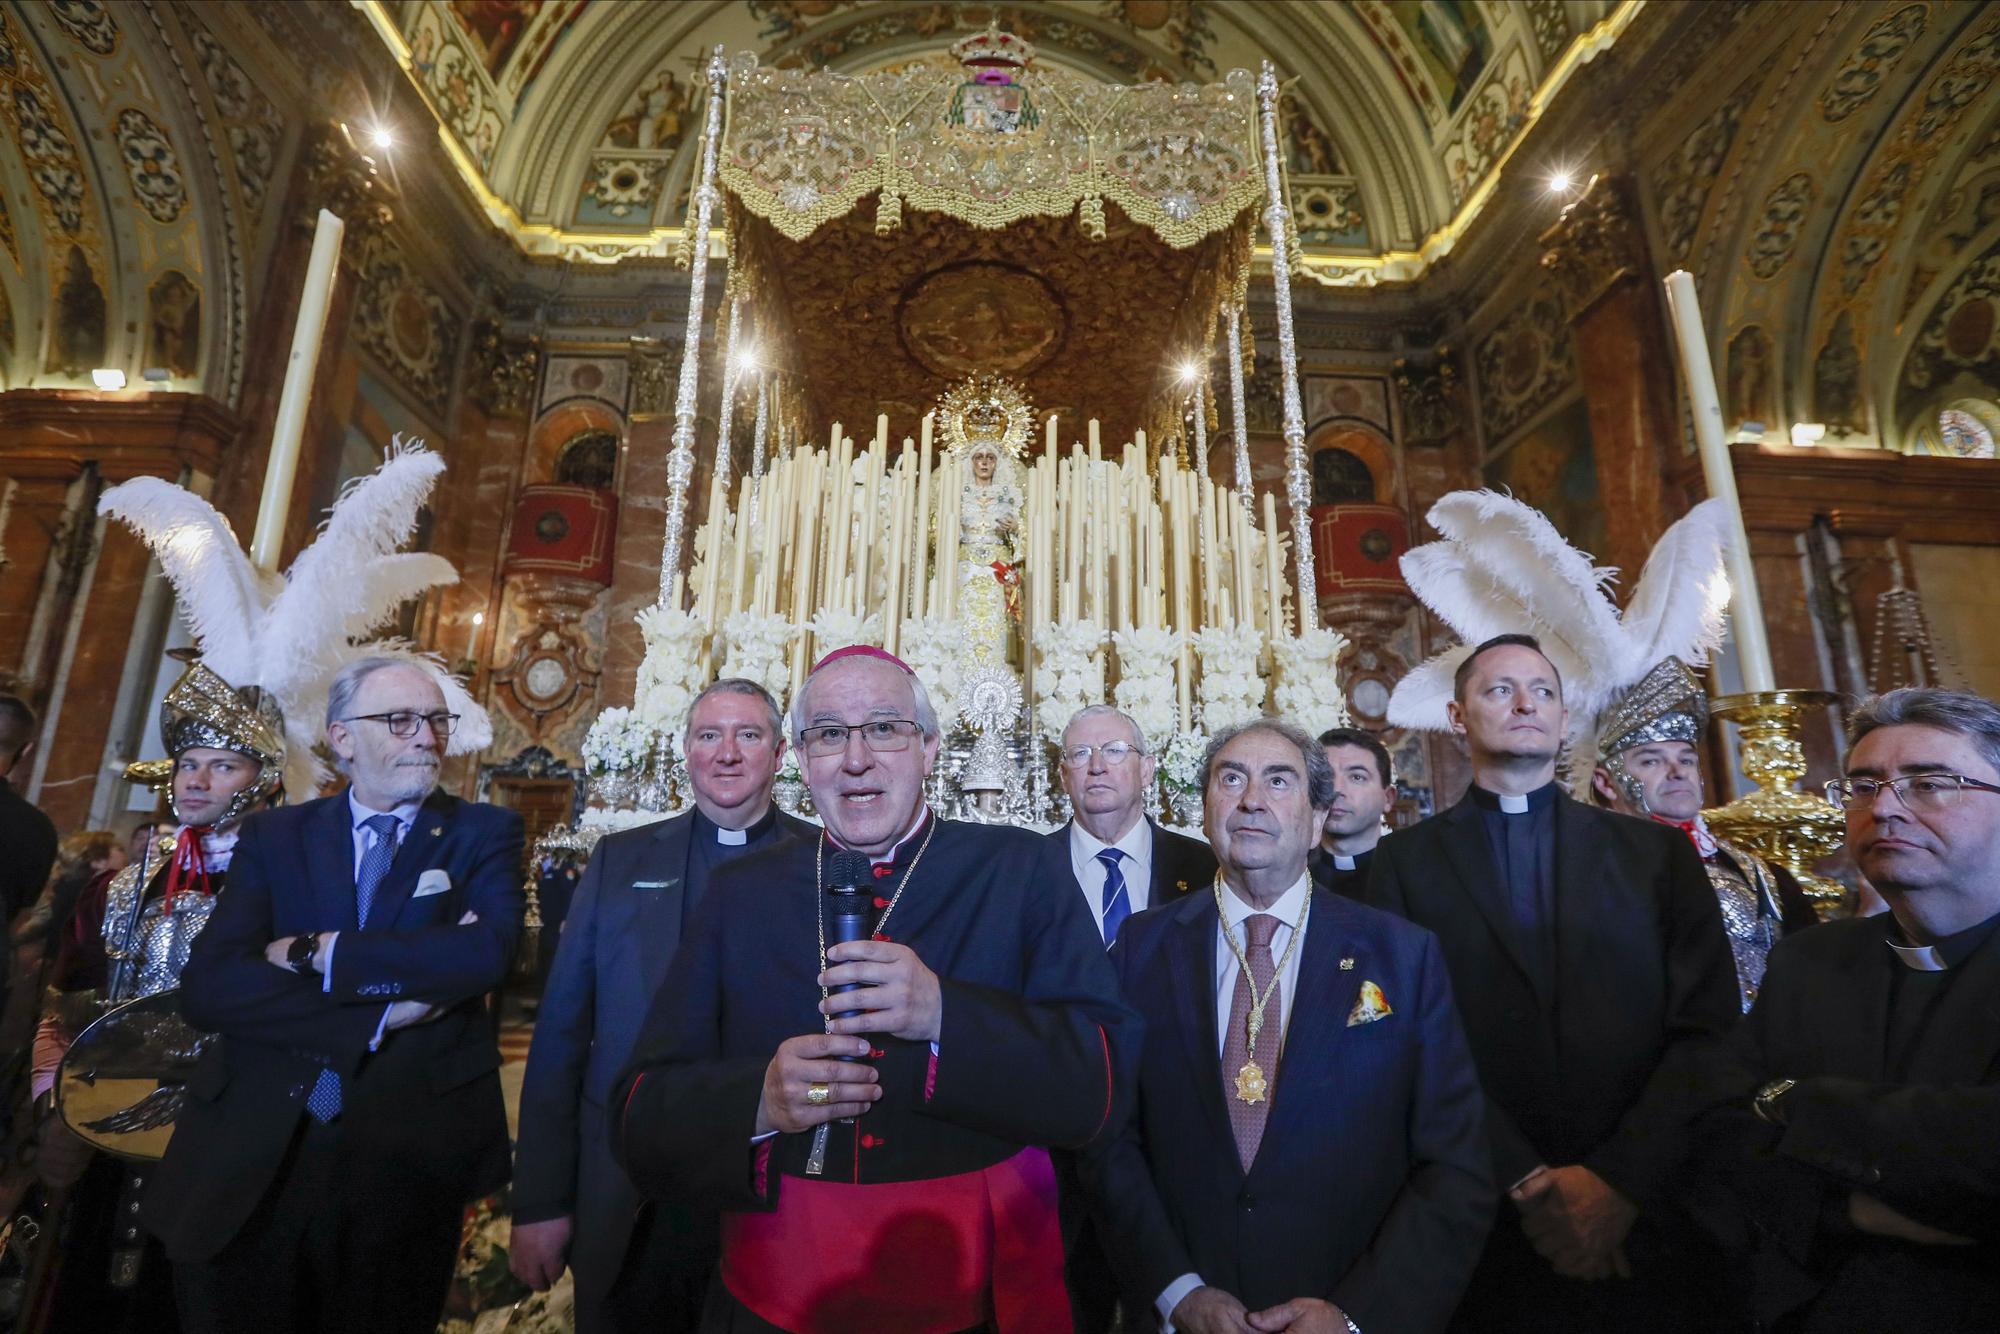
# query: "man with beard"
1647,766
228,753
879,1157
638,1266
1363,794
1854,1123
333,1135
1588,953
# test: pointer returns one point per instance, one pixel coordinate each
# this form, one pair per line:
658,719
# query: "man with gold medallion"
1308,1151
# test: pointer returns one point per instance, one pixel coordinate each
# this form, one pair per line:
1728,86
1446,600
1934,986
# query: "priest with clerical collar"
1851,1126
1363,793
1587,952
636,1267
887,1170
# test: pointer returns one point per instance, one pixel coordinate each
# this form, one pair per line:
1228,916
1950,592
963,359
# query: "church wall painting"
495,28
1551,467
76,345
173,325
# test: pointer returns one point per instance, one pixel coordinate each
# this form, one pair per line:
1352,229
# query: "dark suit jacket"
1371,1186
27,853
1581,1066
1926,1145
1181,865
427,1103
617,942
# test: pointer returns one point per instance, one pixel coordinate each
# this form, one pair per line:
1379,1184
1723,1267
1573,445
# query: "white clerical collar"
1287,909
1342,863
1920,958
731,838
1513,804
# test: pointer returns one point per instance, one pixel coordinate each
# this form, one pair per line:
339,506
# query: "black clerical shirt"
710,845
1343,875
1920,984
1521,832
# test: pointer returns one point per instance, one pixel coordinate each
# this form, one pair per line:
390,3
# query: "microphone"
850,899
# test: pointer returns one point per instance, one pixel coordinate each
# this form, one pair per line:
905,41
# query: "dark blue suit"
623,928
422,1129
1371,1188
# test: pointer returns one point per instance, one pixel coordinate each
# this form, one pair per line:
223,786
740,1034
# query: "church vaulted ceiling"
577,122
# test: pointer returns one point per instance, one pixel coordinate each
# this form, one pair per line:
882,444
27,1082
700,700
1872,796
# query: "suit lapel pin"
1347,964
437,831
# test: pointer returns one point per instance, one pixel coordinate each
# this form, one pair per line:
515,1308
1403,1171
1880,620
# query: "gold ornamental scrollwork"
986,409
1595,245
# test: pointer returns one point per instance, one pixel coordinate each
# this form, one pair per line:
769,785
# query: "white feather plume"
1502,568
291,636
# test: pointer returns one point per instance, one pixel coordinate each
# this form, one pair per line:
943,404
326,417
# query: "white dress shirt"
1136,867
1287,909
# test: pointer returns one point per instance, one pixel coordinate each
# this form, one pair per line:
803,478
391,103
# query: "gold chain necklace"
1251,1084
816,1157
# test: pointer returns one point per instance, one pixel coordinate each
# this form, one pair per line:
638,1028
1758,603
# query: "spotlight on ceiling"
382,137
1190,372
1808,433
108,378
479,618
1561,183
746,358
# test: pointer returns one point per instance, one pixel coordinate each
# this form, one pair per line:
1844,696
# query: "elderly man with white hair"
332,1137
868,1043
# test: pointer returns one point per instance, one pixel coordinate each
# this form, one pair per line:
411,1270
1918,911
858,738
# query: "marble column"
1596,253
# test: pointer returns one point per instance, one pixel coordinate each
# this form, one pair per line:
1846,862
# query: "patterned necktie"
1117,904
324,1100
1246,1119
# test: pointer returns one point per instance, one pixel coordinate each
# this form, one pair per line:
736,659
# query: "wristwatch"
300,955
1765,1102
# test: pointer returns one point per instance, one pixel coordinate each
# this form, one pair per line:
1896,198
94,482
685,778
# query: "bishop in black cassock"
934,1210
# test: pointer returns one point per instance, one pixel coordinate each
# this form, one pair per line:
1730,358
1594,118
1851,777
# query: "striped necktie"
1117,903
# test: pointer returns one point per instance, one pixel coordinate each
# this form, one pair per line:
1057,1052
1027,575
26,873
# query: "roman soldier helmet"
1668,704
202,709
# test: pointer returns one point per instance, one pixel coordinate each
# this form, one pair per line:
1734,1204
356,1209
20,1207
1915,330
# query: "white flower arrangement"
834,629
1231,690
760,650
1180,763
936,650
618,742
725,591
1146,681
1308,691
1070,675
669,674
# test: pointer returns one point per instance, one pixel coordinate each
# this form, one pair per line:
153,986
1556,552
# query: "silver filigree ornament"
1298,490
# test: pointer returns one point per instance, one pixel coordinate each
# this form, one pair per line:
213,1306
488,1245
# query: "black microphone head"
850,868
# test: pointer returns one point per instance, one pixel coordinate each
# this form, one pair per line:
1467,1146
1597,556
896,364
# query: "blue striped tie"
1117,903
324,1100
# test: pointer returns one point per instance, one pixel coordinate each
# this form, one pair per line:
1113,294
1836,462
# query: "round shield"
122,1081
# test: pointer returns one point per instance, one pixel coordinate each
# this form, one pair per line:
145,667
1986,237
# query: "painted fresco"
1551,467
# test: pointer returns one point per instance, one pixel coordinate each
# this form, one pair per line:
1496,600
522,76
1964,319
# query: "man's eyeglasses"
1115,753
1918,792
403,723
880,735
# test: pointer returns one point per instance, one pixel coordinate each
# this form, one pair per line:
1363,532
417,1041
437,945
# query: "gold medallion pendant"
1250,1084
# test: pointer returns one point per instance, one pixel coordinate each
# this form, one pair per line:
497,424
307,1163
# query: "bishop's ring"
818,1094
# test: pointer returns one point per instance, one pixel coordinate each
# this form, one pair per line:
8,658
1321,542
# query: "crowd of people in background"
1540,1061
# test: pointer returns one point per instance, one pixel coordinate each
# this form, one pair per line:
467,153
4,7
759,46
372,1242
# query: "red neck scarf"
1697,832
187,868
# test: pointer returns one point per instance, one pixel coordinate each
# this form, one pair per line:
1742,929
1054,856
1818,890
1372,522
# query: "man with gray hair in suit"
638,1265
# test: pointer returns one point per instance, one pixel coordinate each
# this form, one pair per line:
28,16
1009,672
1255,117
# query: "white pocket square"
433,881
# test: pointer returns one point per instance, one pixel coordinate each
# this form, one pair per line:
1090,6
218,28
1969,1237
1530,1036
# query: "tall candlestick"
1274,568
1746,609
920,575
288,431
947,545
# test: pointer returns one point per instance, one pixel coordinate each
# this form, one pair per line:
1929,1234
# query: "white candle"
288,431
1746,611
